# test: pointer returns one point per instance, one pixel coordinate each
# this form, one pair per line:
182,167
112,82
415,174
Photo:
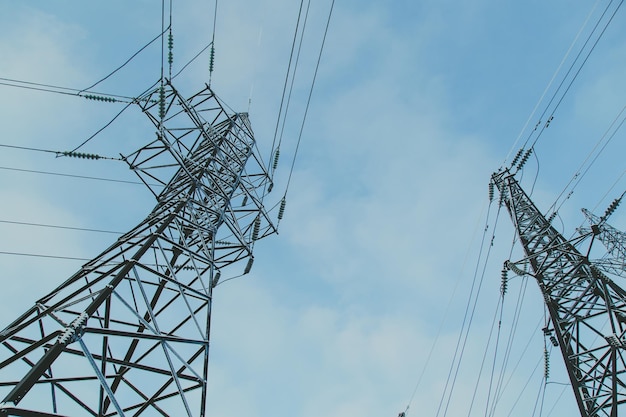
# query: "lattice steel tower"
587,308
128,334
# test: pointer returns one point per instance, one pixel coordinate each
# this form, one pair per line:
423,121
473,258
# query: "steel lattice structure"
614,241
128,334
587,309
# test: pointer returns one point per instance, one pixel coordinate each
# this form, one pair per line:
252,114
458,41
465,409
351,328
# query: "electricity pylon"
587,309
128,334
614,241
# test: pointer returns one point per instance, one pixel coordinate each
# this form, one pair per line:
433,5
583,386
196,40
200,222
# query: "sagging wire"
84,177
48,88
141,98
474,293
160,35
557,71
308,102
589,161
293,75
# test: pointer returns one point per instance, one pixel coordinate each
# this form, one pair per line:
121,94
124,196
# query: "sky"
356,306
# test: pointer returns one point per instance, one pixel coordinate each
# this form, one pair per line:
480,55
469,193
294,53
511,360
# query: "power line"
37,255
545,91
282,99
71,154
308,102
560,93
127,61
48,88
59,227
77,176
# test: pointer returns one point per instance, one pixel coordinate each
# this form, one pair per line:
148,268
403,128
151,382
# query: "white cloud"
386,204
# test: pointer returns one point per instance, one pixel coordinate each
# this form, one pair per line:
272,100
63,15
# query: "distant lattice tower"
128,334
613,240
587,308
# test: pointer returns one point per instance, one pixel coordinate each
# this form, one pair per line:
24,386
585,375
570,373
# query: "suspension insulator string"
170,47
276,156
100,98
248,265
524,159
552,217
517,157
162,102
256,228
211,61
505,282
611,208
81,155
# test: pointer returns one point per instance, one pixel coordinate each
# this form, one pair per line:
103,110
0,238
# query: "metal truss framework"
613,240
587,309
128,334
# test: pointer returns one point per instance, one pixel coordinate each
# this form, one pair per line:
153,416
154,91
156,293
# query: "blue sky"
415,105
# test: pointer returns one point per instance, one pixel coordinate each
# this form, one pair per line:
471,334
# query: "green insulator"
276,156
211,59
524,159
80,155
100,98
517,156
257,227
170,40
161,102
281,210
270,187
170,58
248,265
552,217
